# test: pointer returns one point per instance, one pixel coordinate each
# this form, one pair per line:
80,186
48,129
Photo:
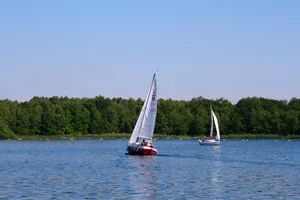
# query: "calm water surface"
100,169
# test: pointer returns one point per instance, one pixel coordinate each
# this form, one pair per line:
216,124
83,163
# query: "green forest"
63,116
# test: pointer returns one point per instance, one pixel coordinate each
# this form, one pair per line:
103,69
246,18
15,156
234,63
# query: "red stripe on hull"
149,151
141,151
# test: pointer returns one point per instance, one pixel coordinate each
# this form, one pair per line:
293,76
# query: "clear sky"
230,49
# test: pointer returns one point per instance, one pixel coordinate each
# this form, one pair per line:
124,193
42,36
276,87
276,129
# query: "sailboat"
211,141
140,142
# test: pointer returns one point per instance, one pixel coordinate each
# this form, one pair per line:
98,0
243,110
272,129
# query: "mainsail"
217,125
144,127
212,123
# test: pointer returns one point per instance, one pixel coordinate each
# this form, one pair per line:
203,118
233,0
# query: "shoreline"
126,136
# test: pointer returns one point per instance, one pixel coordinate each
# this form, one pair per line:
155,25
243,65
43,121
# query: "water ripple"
92,169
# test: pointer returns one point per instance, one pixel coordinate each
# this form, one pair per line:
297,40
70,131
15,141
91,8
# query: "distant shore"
126,136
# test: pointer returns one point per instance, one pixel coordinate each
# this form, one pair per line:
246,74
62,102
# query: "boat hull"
141,150
209,142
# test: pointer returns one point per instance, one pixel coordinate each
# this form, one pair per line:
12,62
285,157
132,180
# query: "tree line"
81,116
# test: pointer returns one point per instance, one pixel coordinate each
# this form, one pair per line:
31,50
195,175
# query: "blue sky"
215,49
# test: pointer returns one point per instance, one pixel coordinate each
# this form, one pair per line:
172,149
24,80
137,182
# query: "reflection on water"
143,179
216,166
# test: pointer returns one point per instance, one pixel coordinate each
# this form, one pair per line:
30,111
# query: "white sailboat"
140,141
211,141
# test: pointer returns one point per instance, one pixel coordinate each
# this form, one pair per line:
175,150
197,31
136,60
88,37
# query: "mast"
212,123
147,100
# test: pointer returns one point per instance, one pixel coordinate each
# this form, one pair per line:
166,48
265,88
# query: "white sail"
145,124
217,126
212,123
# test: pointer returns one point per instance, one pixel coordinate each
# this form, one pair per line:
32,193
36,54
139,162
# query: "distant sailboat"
211,141
140,142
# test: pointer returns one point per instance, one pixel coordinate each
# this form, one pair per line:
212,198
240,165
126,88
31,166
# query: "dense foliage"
81,116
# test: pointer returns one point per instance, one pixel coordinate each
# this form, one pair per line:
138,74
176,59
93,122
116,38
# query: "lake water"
100,169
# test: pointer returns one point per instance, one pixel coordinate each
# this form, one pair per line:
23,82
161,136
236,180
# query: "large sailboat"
140,142
211,141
